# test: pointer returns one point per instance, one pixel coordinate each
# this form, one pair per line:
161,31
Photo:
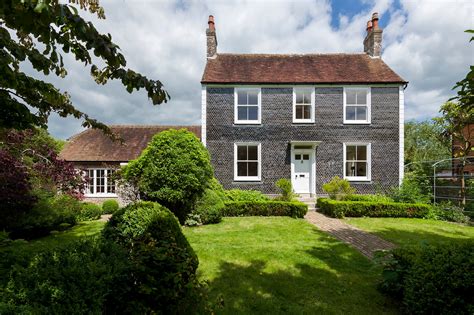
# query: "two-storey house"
308,117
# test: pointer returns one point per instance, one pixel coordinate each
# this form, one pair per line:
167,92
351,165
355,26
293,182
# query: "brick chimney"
211,38
373,39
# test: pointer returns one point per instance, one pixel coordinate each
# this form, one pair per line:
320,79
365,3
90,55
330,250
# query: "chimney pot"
375,20
369,27
211,23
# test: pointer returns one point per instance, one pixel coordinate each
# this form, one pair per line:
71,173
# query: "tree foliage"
465,94
173,170
457,125
40,32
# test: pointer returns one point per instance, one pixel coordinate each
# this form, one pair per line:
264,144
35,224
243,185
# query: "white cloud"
423,41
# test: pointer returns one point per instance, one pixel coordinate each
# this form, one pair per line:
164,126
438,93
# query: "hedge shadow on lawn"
308,290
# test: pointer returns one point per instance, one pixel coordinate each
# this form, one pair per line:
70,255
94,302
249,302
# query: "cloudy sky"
423,41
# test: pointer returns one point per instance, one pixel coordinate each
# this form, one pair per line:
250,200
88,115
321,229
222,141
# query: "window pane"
242,152
362,97
242,169
252,153
361,113
361,169
252,169
350,112
305,156
351,97
299,97
361,153
253,98
242,112
299,111
110,182
350,169
253,113
350,152
307,98
307,112
297,156
242,97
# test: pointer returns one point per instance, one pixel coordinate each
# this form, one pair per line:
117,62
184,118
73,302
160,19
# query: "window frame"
313,97
366,178
368,105
259,161
236,105
94,192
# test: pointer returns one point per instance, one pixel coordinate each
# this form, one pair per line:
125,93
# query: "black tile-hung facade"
277,131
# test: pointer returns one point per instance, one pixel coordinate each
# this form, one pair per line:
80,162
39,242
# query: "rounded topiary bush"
164,267
89,212
110,206
209,207
173,170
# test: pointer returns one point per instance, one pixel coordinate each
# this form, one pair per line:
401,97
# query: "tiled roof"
298,69
92,145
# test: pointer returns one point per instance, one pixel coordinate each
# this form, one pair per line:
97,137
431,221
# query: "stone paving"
105,217
364,242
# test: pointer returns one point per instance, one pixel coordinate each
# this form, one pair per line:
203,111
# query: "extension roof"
298,69
92,145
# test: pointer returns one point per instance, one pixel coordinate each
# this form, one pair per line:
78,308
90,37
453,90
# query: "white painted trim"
369,105
259,100
304,121
203,114
257,85
123,163
401,108
368,178
259,169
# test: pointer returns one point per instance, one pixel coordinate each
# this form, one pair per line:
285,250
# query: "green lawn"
279,265
403,231
55,240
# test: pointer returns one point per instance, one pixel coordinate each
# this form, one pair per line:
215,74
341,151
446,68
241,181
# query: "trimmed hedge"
370,198
89,212
294,209
110,206
431,279
340,209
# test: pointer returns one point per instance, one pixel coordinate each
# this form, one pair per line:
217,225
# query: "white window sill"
356,122
247,122
358,179
247,179
100,195
306,121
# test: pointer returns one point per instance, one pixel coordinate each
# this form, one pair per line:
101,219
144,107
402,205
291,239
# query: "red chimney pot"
375,20
369,27
211,23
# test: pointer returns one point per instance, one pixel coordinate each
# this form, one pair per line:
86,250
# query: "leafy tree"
173,170
465,93
422,148
36,31
457,125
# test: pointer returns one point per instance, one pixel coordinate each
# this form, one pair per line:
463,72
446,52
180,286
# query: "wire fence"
446,180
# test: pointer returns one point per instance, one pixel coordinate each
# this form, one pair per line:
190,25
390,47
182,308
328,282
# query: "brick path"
105,217
364,242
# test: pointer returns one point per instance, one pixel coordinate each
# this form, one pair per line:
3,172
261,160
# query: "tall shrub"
286,189
338,188
173,170
15,190
163,273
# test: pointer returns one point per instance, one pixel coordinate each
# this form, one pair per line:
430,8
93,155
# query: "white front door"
302,172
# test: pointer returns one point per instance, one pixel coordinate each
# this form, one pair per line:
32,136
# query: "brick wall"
277,130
